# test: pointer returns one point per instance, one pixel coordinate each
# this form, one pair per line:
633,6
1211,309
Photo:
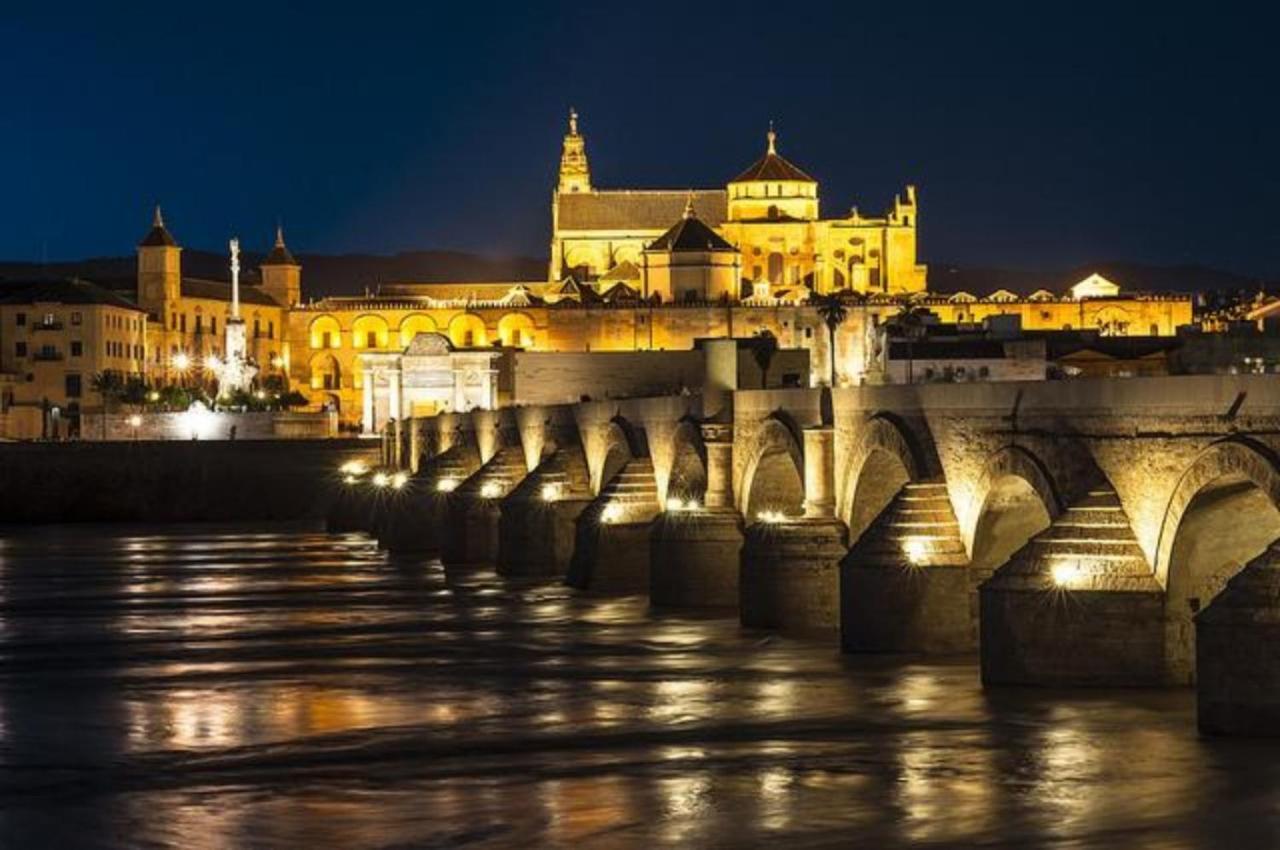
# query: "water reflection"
215,688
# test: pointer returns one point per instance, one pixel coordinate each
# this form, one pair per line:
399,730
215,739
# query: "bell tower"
575,175
281,274
159,268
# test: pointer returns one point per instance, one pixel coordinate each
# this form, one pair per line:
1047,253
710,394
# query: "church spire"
575,175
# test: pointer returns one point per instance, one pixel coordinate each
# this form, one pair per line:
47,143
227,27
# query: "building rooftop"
690,234
62,291
773,166
158,235
217,290
638,210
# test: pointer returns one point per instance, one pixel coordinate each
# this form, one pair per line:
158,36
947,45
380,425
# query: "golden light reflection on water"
331,698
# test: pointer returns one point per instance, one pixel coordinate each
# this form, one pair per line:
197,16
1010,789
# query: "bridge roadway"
1111,532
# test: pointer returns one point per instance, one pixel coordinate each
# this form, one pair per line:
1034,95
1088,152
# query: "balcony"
47,354
46,326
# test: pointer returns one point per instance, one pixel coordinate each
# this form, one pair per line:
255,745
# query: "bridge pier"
1237,665
415,517
695,554
352,509
789,579
1077,605
790,575
538,520
906,586
611,543
474,510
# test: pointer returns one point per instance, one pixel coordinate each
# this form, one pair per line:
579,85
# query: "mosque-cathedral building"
631,270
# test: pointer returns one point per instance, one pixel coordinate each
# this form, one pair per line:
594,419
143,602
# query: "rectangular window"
199,323
182,322
213,324
77,348
271,330
21,319
75,318
257,329
20,349
173,321
327,339
73,386
371,339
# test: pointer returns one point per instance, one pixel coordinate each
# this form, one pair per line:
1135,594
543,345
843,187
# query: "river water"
218,687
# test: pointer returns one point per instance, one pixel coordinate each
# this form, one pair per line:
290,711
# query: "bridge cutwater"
1111,532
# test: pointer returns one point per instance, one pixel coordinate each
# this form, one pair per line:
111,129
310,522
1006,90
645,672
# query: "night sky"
1039,136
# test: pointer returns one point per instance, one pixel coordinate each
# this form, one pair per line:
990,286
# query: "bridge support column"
538,520
611,544
790,574
474,509
695,554
905,585
1078,605
352,509
1237,665
789,578
416,515
819,473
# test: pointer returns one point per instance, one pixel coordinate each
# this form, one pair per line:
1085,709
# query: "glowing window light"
1065,573
381,479
915,549
612,513
446,485
490,490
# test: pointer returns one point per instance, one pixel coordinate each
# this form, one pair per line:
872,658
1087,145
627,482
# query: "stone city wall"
163,481
207,425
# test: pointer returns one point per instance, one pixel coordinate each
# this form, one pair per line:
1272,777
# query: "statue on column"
236,371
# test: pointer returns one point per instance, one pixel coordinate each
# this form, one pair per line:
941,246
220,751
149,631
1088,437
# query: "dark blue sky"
1039,135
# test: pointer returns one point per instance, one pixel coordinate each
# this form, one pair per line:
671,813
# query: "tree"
833,313
764,346
110,386
909,322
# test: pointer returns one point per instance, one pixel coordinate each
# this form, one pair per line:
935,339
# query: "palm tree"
763,346
833,312
909,322
110,386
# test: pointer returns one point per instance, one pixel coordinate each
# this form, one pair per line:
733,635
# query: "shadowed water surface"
216,688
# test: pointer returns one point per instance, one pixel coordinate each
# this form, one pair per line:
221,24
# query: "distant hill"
322,274
351,274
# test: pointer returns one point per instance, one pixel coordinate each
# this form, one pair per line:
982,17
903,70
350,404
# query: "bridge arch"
884,458
620,441
687,476
773,476
1015,500
1224,511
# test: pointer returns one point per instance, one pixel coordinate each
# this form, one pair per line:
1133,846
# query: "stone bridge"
1091,532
